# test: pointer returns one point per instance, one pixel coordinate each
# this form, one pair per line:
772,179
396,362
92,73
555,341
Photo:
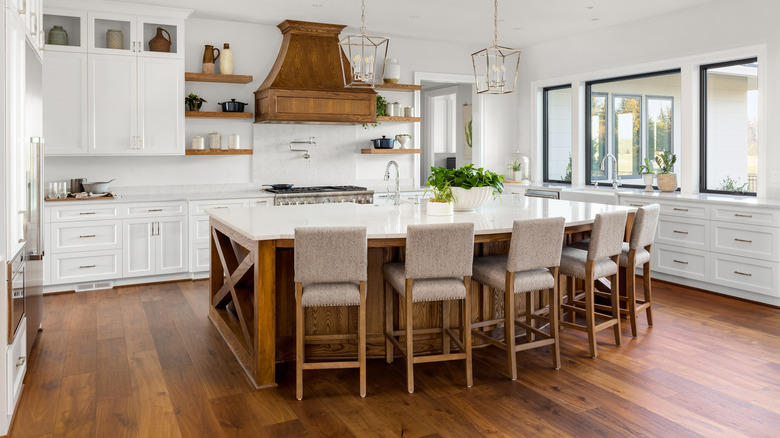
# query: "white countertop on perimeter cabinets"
388,221
168,197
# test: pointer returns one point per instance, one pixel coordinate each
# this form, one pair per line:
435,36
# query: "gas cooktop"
317,189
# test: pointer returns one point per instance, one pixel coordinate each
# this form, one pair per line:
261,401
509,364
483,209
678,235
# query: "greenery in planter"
194,102
440,190
466,177
567,176
515,166
665,161
647,168
403,135
731,185
381,111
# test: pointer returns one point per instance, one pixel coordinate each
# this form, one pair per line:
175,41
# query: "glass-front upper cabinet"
118,34
65,30
161,37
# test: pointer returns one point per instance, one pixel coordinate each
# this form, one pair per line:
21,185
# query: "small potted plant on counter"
440,204
667,180
516,167
194,102
471,188
646,170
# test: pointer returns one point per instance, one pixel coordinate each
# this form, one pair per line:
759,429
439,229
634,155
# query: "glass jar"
519,168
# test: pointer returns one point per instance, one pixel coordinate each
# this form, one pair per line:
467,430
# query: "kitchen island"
251,287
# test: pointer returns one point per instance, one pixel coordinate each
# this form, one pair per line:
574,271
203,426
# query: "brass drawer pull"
636,205
220,207
742,273
150,210
86,266
87,212
680,209
742,240
86,236
680,232
750,216
680,262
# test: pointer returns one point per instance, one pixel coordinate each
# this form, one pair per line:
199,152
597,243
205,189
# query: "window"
630,118
729,127
443,113
556,104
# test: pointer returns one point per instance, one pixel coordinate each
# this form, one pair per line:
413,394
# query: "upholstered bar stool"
598,261
531,265
330,270
437,268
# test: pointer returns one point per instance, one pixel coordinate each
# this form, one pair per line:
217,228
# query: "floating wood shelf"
398,119
389,151
218,152
226,79
217,115
399,87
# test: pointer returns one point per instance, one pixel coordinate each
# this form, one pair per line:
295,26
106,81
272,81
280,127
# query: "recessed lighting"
414,17
589,7
316,5
594,19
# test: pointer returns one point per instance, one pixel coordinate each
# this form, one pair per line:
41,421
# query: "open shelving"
399,87
398,119
225,79
389,151
217,115
218,152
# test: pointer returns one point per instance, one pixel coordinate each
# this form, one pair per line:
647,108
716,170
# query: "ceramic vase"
648,179
469,199
404,141
58,36
115,39
159,43
392,71
226,61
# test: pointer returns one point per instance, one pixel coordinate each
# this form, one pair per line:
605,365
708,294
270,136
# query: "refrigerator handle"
37,194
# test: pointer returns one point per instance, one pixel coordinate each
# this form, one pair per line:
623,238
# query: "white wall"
712,32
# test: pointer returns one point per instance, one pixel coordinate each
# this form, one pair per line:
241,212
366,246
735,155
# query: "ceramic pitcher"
209,58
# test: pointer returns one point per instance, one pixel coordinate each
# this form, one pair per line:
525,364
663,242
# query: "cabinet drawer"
683,262
688,233
156,209
749,275
85,212
200,207
631,202
16,364
199,257
740,215
261,202
679,209
86,266
746,240
81,236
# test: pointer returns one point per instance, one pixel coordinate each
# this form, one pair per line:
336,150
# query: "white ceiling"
523,22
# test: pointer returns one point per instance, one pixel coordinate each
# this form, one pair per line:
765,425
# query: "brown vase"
159,43
208,54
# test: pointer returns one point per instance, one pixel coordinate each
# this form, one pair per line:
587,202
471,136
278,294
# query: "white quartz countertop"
170,197
388,221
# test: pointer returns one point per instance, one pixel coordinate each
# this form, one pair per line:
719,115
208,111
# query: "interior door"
171,245
65,99
113,104
160,109
139,251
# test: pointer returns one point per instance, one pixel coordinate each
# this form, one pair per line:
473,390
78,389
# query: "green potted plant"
404,140
471,188
667,179
194,102
516,167
647,172
440,203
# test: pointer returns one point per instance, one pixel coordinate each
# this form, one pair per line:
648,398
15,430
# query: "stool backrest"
330,254
643,230
535,244
606,238
439,251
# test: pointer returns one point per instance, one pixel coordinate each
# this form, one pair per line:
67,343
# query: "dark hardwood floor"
146,362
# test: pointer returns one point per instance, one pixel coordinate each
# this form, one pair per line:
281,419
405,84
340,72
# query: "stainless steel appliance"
541,193
15,292
322,195
33,248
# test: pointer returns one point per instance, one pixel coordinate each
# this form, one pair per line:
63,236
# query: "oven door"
15,295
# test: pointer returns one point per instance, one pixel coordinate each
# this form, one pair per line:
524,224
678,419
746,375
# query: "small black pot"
383,143
232,106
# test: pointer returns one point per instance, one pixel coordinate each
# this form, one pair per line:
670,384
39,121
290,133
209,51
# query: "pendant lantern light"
364,54
495,68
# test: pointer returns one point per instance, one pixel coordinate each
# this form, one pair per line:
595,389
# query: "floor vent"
83,287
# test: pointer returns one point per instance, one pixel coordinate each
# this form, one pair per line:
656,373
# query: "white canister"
396,109
199,143
392,71
215,140
233,141
408,111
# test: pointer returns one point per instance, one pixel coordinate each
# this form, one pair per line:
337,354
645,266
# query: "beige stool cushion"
491,271
642,256
573,264
330,294
435,289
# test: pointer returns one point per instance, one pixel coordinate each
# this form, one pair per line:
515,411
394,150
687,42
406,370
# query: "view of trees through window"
557,133
631,119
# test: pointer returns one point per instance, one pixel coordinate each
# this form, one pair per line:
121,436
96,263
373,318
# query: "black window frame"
545,138
703,124
613,132
589,93
648,98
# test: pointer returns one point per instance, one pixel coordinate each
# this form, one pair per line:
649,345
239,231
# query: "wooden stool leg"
467,332
615,290
445,324
631,291
572,290
299,344
529,308
554,298
389,347
409,337
362,338
590,314
509,324
648,299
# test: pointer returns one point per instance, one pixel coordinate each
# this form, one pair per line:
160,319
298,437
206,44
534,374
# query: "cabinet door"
113,34
18,144
112,108
139,252
171,245
160,107
65,100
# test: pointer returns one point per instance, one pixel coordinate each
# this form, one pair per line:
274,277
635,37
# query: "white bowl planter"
469,199
439,208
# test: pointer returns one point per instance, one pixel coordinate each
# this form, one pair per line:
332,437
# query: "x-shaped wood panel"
235,289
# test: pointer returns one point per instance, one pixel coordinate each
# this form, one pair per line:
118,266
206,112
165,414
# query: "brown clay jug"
159,43
208,54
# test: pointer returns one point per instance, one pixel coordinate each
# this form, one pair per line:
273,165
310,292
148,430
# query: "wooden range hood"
305,84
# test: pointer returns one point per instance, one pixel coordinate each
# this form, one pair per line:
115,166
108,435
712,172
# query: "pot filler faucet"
397,196
306,155
615,178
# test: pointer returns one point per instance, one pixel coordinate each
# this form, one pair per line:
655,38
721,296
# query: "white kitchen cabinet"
85,236
139,247
65,100
76,267
113,104
100,23
147,29
155,246
16,135
171,245
746,274
16,367
160,115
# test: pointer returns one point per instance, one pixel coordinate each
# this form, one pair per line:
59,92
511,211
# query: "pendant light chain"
363,17
495,24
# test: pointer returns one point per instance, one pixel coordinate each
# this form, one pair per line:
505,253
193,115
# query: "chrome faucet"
306,155
397,196
615,178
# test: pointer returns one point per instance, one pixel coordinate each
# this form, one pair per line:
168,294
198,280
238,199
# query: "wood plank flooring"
146,362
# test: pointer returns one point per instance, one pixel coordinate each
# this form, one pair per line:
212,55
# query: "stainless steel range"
322,195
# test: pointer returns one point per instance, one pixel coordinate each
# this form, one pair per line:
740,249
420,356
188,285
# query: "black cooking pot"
232,106
383,143
278,186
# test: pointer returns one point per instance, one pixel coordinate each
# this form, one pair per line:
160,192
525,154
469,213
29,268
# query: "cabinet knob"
21,361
